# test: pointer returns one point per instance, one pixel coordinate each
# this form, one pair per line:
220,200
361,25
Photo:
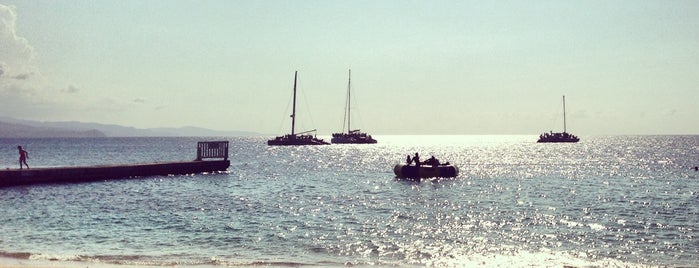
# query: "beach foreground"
24,263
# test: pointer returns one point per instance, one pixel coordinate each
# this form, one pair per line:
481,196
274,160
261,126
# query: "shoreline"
21,262
8,262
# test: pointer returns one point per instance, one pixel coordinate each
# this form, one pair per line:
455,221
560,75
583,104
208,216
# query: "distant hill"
10,130
10,127
201,132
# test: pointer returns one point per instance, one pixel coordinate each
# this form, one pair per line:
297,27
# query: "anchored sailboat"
296,138
559,137
352,136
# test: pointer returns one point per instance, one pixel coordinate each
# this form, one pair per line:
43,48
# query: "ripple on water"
606,201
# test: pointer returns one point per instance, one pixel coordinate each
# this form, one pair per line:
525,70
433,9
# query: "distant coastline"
11,130
14,128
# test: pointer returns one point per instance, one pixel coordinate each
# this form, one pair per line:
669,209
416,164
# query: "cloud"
16,54
16,64
70,89
669,112
24,76
26,94
139,100
21,96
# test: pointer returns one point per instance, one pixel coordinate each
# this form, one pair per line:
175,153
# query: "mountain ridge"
16,128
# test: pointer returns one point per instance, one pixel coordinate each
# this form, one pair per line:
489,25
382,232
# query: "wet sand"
6,262
25,263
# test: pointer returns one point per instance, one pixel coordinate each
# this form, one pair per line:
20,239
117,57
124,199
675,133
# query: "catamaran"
559,136
296,138
352,136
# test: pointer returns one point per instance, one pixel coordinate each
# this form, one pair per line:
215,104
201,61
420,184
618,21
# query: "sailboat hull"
296,140
557,140
557,137
352,138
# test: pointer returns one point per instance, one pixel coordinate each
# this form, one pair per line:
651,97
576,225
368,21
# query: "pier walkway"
217,149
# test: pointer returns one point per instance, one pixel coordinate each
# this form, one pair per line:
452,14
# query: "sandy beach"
14,263
25,263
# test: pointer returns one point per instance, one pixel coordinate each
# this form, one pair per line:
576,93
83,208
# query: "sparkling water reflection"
606,201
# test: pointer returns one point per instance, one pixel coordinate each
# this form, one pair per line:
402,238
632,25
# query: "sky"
418,67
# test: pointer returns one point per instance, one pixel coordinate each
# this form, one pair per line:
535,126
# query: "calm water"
603,202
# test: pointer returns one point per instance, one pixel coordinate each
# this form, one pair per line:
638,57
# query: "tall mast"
564,114
293,113
349,102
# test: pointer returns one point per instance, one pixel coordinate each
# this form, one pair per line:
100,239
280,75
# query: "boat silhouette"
293,138
351,136
559,136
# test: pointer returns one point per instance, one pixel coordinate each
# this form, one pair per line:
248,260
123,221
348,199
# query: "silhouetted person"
432,161
408,160
416,159
22,157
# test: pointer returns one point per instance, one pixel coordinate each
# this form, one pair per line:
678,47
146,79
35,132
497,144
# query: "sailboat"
296,138
352,136
558,136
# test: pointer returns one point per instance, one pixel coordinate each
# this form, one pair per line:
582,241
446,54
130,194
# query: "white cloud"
16,54
18,96
23,93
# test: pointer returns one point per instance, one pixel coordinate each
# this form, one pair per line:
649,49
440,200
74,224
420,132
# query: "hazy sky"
418,67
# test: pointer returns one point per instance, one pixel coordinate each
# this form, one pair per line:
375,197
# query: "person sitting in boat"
416,159
408,160
432,161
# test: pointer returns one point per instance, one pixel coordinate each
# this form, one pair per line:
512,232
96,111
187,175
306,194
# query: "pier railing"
212,149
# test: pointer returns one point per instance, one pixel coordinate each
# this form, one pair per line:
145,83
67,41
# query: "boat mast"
293,113
349,101
564,114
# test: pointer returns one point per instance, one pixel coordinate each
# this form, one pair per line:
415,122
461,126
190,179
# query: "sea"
606,201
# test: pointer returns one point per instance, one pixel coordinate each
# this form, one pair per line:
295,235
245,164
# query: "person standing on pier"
22,157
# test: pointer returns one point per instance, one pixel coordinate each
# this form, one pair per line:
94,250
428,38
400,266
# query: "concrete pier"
32,176
205,150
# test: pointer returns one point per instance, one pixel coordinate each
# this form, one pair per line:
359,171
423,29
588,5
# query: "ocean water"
618,201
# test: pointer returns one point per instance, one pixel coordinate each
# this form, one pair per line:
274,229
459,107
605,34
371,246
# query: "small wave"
262,263
544,258
597,226
56,257
142,260
135,260
15,255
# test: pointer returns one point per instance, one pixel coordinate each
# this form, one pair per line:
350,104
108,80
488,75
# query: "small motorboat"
425,171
